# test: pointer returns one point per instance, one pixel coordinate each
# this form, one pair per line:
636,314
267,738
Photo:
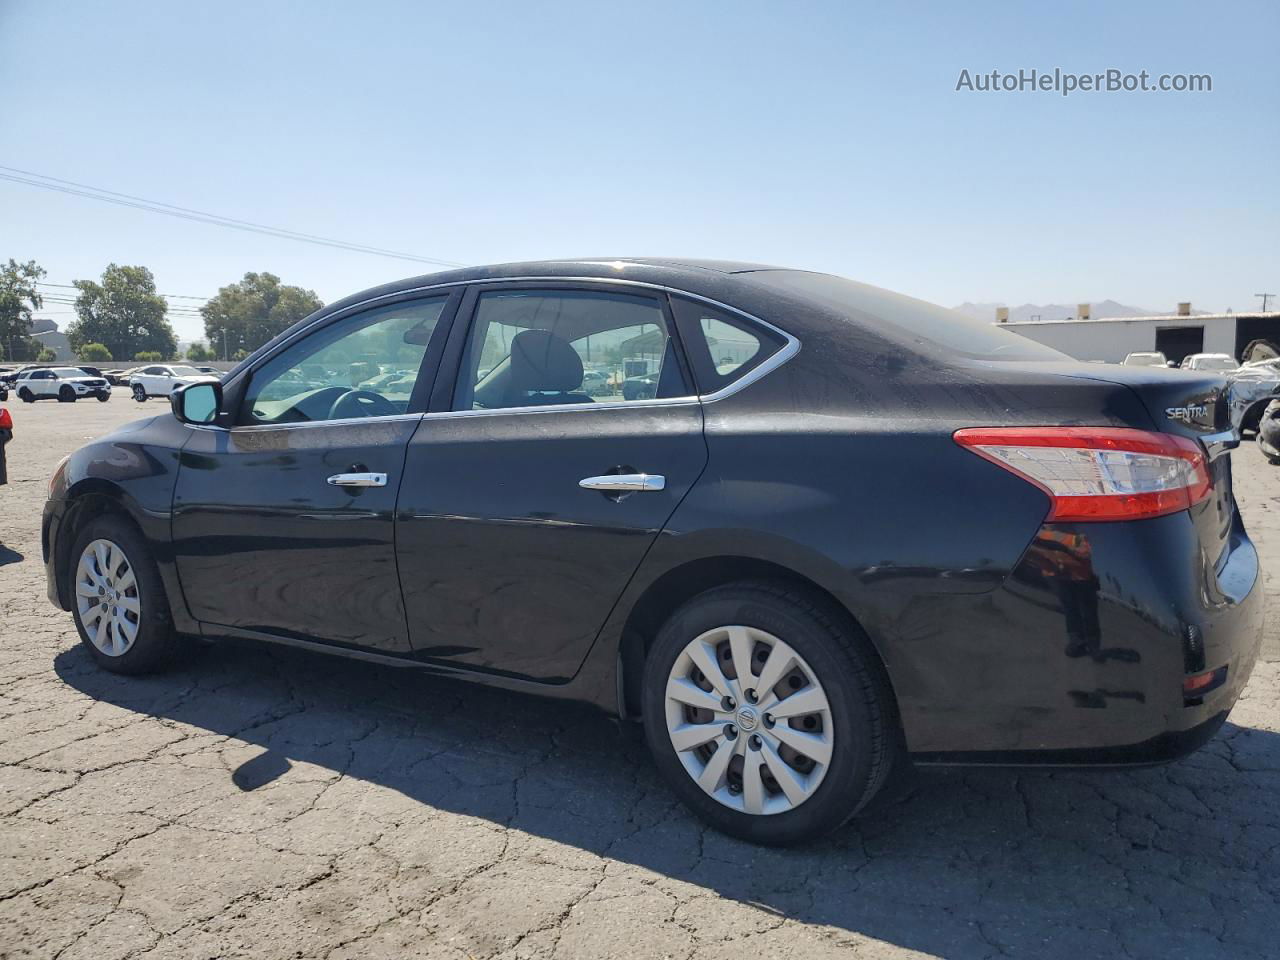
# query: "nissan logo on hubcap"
747,718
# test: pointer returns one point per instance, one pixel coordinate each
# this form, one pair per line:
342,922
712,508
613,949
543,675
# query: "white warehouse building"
1111,339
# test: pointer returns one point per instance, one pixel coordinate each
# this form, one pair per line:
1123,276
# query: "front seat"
544,369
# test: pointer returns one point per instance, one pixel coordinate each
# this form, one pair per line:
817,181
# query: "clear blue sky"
827,136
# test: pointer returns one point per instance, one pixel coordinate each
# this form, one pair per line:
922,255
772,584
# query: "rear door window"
537,348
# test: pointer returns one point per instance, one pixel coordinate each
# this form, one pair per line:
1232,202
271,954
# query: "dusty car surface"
844,530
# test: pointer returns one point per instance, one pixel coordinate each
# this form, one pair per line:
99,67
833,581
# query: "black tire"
139,393
155,643
26,396
66,395
865,735
103,396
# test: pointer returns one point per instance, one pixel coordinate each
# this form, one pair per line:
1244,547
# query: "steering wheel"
362,403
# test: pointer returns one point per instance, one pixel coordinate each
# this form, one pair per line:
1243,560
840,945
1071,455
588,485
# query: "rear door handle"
643,482
358,480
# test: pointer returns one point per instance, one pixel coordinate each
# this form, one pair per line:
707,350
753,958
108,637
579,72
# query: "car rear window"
903,317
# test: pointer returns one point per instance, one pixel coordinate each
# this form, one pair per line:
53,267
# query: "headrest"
541,361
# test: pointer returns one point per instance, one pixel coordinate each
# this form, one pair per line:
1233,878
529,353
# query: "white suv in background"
159,380
67,384
1211,362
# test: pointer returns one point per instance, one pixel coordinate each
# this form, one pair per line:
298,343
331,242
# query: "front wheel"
139,393
117,598
103,397
66,395
767,717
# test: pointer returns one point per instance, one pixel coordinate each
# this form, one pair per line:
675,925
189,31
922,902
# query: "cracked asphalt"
268,803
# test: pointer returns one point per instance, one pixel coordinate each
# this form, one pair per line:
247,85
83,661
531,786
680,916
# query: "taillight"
1098,473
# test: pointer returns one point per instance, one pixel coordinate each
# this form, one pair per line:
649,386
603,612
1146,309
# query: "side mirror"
197,402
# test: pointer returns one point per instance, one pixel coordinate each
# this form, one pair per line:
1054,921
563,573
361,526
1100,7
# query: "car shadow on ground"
972,864
9,555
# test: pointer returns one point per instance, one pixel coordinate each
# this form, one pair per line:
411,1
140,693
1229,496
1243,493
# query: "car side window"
153,371
534,348
723,346
365,365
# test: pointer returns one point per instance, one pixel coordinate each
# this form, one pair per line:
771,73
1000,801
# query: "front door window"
365,365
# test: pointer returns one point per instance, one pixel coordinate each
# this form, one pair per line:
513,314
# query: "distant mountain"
1054,311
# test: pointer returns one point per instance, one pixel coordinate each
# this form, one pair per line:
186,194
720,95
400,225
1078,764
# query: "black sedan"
864,531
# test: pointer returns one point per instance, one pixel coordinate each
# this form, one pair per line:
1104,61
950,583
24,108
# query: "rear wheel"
766,716
26,396
66,395
117,598
139,393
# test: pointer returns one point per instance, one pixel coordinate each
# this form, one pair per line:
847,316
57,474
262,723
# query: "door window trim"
235,392
450,359
442,397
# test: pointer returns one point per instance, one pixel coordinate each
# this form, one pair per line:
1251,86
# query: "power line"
167,296
72,188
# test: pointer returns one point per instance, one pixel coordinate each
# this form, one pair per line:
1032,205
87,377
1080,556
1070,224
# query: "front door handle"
625,482
358,480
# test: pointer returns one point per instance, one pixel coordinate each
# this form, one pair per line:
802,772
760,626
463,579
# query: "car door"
526,504
149,377
46,383
283,523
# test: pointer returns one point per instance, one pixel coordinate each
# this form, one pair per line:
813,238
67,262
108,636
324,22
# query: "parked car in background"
1210,362
11,375
160,379
66,384
91,371
210,370
1269,432
595,383
882,533
1145,359
643,387
1251,388
118,377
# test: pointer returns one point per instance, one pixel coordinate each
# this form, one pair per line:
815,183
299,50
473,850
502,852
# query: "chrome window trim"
688,401
301,424
791,346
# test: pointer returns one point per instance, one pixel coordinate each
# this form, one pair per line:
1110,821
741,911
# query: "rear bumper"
1079,658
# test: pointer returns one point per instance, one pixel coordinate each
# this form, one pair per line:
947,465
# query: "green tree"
124,313
148,356
19,299
94,353
199,353
239,355
46,356
245,315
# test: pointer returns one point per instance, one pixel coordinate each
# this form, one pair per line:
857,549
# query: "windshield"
1145,360
1215,363
922,322
69,372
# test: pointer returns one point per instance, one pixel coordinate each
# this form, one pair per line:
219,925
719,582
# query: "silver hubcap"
107,597
749,720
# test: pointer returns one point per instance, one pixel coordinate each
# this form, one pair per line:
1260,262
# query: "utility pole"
1265,297
224,345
